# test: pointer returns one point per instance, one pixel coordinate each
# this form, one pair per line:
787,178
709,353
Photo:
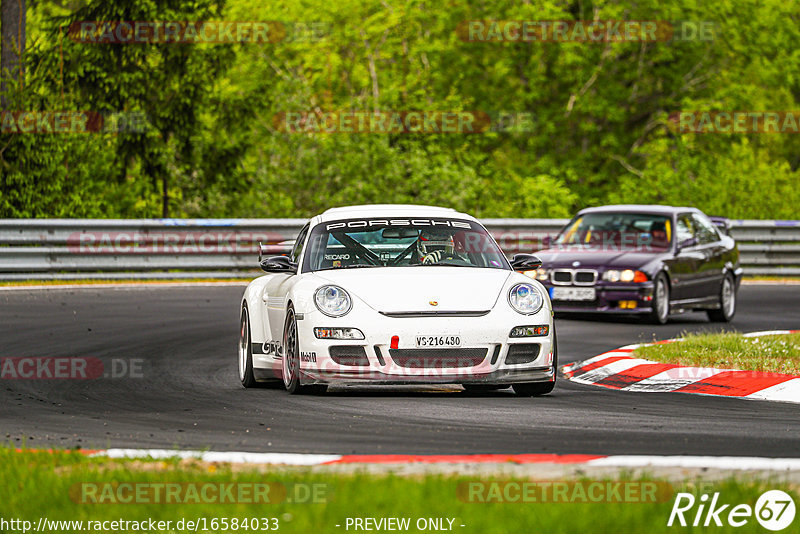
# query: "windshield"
640,231
400,242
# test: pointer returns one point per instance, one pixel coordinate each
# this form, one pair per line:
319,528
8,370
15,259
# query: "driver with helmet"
434,247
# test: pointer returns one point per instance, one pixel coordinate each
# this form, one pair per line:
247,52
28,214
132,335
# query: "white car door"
275,291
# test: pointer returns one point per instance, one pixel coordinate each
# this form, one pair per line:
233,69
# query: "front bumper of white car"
486,353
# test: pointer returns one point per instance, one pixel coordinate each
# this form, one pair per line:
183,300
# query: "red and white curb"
617,369
291,459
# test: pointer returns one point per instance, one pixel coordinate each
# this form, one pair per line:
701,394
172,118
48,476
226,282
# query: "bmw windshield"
617,231
400,242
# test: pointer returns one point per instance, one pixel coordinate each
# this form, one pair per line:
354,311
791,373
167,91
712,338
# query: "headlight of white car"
525,299
333,301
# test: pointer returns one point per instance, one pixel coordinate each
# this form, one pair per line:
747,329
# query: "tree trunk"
164,198
12,26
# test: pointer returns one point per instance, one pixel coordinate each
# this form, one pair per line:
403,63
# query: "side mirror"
547,241
525,262
278,264
722,224
686,243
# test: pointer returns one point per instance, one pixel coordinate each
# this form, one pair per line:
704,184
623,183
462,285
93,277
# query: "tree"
12,26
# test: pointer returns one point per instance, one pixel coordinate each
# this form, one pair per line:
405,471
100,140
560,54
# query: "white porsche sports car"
393,294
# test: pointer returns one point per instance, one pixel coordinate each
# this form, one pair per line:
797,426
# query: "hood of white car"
415,289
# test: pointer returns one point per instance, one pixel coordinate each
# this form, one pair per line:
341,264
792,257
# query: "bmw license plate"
572,293
438,341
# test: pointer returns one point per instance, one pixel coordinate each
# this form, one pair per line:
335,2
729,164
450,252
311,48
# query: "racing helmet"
430,240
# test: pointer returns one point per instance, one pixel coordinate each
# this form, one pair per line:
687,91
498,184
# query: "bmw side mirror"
722,224
278,264
686,243
547,241
525,262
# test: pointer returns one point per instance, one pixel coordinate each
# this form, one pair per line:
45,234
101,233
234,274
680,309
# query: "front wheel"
727,301
291,359
660,312
534,389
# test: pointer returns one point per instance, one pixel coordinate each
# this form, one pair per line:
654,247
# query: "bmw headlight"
333,301
540,274
525,299
627,275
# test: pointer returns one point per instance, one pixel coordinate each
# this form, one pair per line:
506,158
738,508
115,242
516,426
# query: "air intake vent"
379,355
564,277
496,353
522,353
438,358
353,355
585,277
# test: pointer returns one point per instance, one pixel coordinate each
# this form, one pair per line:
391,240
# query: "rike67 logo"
774,510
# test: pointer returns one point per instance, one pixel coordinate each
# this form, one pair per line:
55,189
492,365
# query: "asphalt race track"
188,395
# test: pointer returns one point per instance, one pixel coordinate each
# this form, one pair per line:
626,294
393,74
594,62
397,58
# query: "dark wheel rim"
243,342
728,298
290,357
662,300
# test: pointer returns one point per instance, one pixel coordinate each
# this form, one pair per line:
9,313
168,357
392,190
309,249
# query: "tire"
291,359
535,389
727,301
245,352
660,313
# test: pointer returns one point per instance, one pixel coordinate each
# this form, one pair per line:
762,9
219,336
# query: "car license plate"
438,341
572,293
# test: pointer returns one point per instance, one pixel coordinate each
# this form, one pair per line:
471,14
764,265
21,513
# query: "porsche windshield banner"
361,224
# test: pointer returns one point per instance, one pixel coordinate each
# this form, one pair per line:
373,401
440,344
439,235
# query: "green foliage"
598,132
67,486
728,350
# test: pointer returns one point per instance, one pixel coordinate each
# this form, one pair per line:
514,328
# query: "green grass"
37,484
778,353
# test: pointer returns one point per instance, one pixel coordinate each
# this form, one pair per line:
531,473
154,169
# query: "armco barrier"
226,248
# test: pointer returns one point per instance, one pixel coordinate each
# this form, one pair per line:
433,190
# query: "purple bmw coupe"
649,261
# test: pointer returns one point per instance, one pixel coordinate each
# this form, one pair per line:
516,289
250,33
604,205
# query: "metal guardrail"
40,249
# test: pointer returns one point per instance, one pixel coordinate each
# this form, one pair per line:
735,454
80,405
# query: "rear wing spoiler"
722,224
